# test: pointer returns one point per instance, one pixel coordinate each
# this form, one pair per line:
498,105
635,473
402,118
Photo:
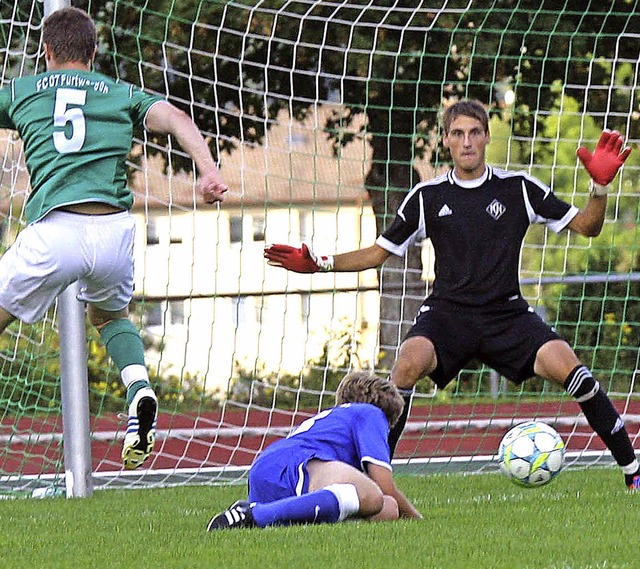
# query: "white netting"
322,115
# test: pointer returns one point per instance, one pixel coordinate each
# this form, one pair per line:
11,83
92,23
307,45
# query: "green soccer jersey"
77,129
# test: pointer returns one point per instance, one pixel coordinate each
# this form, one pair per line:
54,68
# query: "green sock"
124,346
123,342
134,388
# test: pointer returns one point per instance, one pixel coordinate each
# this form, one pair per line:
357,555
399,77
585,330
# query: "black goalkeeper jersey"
477,228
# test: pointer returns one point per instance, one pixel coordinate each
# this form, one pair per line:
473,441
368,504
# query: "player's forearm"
193,143
590,219
360,260
166,119
405,507
595,210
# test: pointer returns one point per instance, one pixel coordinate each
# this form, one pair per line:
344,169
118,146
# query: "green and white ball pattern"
531,454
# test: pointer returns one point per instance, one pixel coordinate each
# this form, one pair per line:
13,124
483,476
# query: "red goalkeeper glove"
606,160
297,259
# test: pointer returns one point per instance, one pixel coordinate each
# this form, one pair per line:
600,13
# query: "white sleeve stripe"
405,200
557,225
144,121
301,479
422,226
394,249
502,174
419,233
376,462
533,218
538,183
433,182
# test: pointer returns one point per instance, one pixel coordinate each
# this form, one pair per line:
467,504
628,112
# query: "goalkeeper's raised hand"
297,259
606,160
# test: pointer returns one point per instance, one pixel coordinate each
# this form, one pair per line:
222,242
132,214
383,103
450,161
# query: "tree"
235,66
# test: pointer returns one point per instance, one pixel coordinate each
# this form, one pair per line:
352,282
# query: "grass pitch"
584,519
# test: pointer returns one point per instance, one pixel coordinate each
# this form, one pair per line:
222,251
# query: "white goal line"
208,475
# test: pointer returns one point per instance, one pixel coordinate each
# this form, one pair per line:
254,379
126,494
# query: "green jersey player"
70,161
77,128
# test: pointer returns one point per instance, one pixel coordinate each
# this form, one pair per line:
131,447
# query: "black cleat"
238,515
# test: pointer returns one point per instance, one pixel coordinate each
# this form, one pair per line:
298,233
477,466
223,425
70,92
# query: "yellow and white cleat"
141,429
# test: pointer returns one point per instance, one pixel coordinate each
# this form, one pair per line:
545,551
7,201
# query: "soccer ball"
531,454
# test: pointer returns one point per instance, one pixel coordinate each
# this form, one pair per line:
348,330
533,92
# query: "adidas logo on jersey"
444,211
495,209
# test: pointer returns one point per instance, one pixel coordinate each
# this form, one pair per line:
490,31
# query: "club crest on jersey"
495,209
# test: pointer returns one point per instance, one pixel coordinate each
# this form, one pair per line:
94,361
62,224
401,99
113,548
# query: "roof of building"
294,165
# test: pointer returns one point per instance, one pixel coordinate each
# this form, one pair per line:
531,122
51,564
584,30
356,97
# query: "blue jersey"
353,433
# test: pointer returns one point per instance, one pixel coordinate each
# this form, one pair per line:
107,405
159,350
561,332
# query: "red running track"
34,445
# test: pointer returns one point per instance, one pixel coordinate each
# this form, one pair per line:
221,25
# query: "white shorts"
61,248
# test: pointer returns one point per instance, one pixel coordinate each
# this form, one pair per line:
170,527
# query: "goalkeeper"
476,217
77,128
335,465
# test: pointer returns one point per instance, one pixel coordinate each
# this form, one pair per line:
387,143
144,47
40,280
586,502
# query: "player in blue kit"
335,465
476,217
77,128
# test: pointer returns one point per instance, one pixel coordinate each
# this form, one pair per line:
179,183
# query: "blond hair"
365,387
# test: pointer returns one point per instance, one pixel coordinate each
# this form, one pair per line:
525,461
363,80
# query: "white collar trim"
471,184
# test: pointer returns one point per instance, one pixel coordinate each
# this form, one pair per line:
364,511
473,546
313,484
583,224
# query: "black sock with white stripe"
603,418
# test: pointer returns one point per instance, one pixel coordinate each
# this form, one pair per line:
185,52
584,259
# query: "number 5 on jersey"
63,114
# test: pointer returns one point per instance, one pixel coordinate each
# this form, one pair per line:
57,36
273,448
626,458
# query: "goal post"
322,115
74,396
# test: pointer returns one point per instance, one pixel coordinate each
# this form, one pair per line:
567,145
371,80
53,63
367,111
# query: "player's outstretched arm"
164,118
603,166
304,260
383,477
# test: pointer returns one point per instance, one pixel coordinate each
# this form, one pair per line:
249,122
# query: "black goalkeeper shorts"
505,336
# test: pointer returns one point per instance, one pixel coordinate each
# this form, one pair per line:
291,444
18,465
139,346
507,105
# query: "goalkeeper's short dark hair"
465,108
365,387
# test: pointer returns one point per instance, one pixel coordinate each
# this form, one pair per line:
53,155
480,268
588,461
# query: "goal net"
322,115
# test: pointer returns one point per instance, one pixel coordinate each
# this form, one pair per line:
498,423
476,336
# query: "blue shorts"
278,475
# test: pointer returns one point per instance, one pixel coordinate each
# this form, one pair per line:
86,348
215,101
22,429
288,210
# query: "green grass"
585,519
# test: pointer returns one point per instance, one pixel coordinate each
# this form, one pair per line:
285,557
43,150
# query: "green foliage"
384,64
236,66
18,39
175,393
602,320
30,376
29,370
394,65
